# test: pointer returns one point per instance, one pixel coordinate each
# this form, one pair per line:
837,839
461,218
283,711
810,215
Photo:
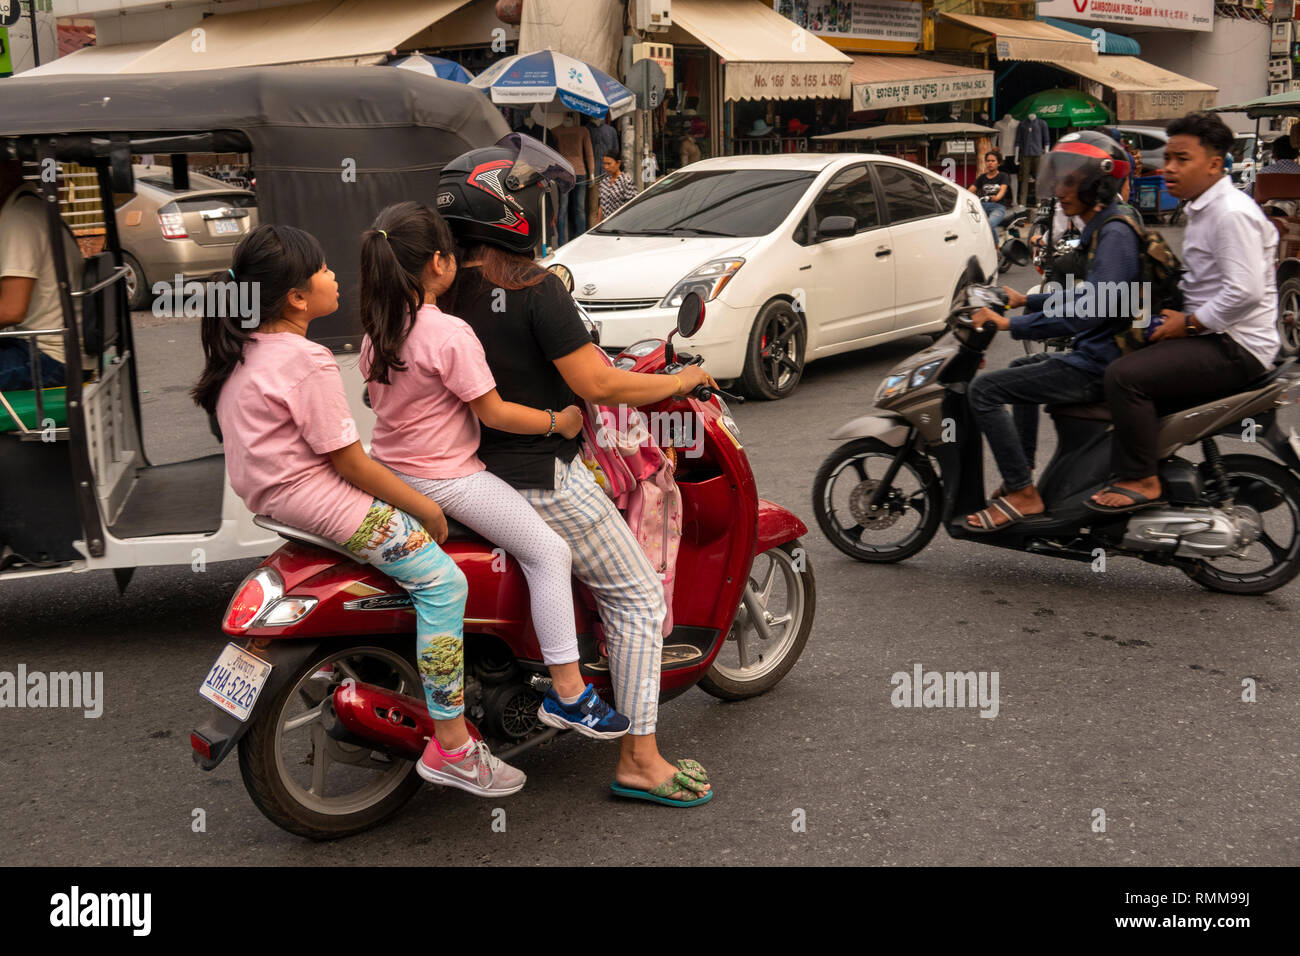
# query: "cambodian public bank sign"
939,89
1171,14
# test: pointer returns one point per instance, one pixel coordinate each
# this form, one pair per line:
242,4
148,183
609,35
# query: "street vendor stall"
945,148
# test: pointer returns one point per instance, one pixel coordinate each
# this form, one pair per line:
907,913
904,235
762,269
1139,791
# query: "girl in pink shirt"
292,452
430,386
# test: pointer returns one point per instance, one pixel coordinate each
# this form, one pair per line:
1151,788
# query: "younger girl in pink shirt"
430,386
292,452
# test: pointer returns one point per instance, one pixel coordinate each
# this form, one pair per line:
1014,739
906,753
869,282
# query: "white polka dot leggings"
489,506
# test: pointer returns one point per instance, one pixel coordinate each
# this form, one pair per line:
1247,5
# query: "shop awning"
94,59
1030,40
911,131
1279,104
1144,91
761,59
325,30
882,82
1110,44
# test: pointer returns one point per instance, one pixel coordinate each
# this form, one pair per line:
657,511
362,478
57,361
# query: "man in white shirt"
29,292
1228,336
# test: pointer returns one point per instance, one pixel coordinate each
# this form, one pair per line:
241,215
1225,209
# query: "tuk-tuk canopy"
1279,104
330,146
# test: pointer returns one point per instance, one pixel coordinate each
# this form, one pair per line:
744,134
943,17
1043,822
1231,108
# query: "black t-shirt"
986,186
530,328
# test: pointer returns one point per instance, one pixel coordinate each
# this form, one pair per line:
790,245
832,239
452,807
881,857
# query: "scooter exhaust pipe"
370,716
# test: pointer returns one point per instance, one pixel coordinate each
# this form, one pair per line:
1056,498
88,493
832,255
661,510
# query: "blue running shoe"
589,716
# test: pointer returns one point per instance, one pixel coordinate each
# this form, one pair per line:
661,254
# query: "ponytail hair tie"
232,273
382,233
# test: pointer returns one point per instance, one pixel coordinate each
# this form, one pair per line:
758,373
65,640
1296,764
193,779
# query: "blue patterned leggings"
397,544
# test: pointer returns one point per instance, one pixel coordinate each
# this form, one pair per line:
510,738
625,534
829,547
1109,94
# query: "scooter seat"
455,532
1099,412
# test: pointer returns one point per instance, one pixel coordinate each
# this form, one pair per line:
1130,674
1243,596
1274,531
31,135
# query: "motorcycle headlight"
891,386
728,422
643,348
708,280
924,374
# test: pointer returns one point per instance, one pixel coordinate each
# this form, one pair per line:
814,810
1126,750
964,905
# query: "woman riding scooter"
540,355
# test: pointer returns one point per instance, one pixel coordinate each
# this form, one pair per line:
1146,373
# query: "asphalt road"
1119,692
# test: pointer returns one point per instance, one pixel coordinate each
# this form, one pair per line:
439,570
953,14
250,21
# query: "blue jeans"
16,368
578,208
1029,381
995,212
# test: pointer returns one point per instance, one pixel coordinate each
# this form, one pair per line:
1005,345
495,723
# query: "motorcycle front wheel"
907,518
1274,559
771,626
305,781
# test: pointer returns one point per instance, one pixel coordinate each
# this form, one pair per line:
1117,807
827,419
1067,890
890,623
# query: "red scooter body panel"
776,526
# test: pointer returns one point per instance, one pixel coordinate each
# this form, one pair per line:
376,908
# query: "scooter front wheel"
905,520
771,626
305,781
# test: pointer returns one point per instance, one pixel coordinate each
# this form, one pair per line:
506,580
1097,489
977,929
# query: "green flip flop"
690,777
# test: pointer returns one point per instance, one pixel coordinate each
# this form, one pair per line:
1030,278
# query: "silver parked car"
167,232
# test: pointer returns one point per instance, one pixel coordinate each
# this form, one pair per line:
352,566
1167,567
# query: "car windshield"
715,202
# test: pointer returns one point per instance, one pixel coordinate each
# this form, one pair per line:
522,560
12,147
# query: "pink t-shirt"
281,412
424,426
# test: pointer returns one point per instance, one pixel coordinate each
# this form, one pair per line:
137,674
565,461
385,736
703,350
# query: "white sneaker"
476,771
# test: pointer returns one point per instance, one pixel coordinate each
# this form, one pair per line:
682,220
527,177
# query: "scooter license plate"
235,680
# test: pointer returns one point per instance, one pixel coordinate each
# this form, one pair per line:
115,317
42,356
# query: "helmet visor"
1073,165
535,162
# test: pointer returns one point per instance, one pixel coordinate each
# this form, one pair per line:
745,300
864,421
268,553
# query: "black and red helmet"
497,194
1092,161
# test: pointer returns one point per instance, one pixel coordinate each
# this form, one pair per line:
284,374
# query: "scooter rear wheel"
286,758
906,522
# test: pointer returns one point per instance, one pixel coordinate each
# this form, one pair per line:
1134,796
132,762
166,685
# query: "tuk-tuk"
331,147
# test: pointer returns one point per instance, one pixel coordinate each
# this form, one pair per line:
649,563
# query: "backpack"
638,477
1159,270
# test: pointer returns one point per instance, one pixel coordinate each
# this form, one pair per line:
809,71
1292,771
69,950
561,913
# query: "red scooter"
320,689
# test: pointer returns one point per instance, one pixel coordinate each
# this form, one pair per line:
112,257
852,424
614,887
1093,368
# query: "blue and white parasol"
433,66
545,76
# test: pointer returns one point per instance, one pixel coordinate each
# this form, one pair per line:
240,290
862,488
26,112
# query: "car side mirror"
1017,251
690,315
835,227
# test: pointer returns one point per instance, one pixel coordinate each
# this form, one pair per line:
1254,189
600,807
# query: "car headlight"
708,280
891,386
924,374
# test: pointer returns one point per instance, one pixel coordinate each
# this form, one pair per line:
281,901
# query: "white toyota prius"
798,256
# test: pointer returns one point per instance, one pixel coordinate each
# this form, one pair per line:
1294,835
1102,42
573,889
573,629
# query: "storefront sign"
1172,14
786,81
1137,106
893,21
941,89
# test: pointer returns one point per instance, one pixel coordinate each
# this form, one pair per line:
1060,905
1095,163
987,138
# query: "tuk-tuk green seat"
24,403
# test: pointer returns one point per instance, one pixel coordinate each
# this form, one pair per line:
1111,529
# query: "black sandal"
1139,500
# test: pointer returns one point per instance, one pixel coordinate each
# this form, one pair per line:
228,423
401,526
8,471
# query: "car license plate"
225,227
235,680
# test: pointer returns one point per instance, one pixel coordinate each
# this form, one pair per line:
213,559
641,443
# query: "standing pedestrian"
616,188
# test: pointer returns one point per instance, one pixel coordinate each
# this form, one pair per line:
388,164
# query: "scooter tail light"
259,590
200,746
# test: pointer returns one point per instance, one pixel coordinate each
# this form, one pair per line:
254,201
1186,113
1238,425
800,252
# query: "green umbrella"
1061,108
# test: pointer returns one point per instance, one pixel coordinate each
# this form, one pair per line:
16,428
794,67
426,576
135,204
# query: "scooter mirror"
565,275
690,315
1015,250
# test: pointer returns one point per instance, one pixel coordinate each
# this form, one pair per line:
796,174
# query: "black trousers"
1164,378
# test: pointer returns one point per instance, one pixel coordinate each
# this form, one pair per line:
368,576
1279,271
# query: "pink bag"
638,477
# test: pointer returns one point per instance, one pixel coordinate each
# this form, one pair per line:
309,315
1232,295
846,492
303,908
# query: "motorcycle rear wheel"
846,469
764,661
1267,487
271,754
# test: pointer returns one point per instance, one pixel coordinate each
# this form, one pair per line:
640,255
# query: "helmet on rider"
495,194
1092,162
